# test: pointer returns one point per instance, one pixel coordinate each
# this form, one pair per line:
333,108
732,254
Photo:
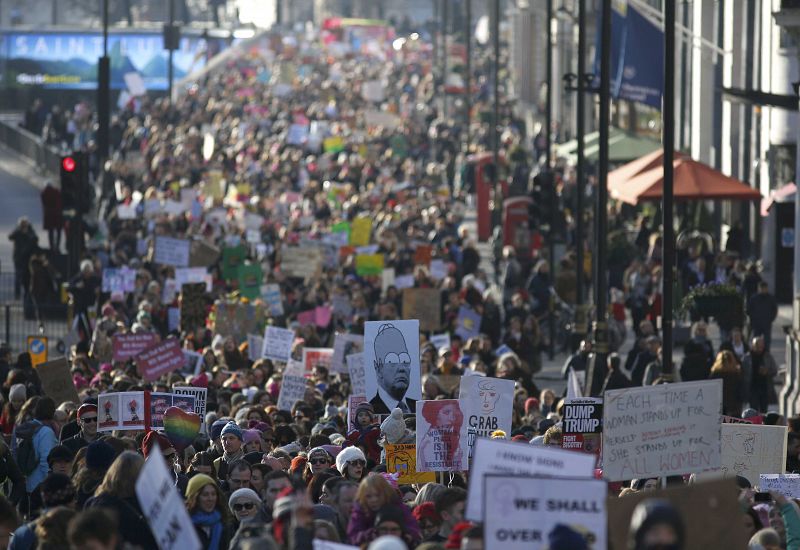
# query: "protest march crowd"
284,338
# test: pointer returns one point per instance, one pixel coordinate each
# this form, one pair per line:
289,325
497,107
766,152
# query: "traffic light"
75,197
544,205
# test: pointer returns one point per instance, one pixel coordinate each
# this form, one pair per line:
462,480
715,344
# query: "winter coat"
361,528
133,526
52,208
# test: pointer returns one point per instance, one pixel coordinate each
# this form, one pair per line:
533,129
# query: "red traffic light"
68,164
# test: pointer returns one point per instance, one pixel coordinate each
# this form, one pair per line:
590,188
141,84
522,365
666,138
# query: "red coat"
52,208
367,440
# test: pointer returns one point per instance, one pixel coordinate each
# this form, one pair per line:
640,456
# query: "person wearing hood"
656,524
365,432
232,443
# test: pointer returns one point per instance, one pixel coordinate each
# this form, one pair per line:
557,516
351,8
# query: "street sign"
37,347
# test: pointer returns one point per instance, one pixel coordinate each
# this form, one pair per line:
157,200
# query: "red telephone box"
516,225
482,184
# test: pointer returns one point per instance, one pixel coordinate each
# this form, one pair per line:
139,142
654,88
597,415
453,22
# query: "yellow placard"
360,230
403,459
369,264
37,348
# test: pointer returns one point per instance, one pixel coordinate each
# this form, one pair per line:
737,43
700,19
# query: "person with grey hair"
26,243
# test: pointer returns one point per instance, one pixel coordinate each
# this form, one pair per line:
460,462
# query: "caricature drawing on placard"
392,365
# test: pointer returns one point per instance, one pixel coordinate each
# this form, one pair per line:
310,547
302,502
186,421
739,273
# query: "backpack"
26,452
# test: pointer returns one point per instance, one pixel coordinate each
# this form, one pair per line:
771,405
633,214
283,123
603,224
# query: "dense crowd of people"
228,154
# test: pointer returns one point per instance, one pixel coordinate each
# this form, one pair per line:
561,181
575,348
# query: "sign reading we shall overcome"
655,431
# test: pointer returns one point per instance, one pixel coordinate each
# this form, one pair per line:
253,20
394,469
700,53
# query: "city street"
19,196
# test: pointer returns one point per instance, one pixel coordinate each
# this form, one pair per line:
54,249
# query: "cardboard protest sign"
369,264
422,254
705,511
360,231
438,270
424,304
255,347
333,144
193,306
521,512
232,258
786,484
200,397
185,275
278,344
161,402
487,403
301,262
57,381
126,346
654,431
750,450
582,425
440,341
391,365
404,281
344,345
498,456
169,251
468,323
375,118
373,90
203,254
121,279
319,316
293,389
237,319
193,362
442,444
249,277
160,359
402,459
163,506
313,357
121,411
271,294
356,370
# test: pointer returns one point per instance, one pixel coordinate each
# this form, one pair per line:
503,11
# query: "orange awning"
643,180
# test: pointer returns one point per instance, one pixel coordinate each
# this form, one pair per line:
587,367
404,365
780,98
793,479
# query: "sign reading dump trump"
522,512
671,429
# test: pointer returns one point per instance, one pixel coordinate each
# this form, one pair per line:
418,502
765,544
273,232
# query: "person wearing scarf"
232,443
208,512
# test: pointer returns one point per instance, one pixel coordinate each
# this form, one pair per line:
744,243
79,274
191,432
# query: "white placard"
272,296
654,431
122,279
188,275
498,456
344,345
355,367
438,270
442,442
372,90
522,511
255,347
328,545
487,403
135,84
440,341
293,388
786,484
163,506
126,211
278,344
404,281
391,364
169,251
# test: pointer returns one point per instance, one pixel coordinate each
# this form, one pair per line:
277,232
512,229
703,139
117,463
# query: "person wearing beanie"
389,521
231,438
215,433
244,504
352,463
87,421
206,507
99,455
153,438
252,440
60,460
365,433
387,542
16,399
394,429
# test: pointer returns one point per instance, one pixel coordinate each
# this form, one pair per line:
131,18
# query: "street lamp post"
496,107
668,239
103,94
468,70
595,373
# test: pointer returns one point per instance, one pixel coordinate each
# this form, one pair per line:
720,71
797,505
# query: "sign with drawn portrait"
441,437
391,365
487,403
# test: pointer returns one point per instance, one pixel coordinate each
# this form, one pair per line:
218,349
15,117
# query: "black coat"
133,526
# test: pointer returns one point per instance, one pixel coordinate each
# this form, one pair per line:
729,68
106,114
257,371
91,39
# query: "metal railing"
46,157
18,321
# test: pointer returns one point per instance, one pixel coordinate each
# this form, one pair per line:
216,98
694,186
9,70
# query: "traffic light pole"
468,76
103,94
170,67
668,240
551,245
